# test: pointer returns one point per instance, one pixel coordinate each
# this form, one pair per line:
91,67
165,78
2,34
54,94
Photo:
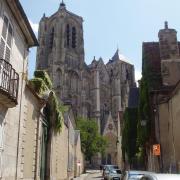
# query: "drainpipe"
172,119
20,111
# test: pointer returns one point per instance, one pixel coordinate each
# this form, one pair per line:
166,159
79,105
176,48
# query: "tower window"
51,39
67,35
73,37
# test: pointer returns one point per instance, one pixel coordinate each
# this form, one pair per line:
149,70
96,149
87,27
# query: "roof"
62,8
118,56
133,97
23,22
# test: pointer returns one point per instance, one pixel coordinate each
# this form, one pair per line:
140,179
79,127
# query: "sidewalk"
84,175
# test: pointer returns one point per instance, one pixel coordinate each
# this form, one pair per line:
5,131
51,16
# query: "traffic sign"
156,150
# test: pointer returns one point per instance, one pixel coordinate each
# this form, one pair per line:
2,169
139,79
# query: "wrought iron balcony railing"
9,83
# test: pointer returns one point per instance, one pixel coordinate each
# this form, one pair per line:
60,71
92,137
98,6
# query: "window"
67,35
6,40
51,38
73,37
58,80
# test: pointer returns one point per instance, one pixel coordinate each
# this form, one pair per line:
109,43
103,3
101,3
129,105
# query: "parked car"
135,175
107,169
161,177
114,174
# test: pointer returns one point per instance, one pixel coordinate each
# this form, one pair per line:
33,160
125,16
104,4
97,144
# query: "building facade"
163,59
99,90
16,38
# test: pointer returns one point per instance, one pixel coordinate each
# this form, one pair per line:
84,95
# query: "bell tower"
61,52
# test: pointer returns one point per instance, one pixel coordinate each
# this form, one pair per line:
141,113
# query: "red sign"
156,150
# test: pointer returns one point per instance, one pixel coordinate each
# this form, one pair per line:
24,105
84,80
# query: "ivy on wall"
54,110
129,134
151,79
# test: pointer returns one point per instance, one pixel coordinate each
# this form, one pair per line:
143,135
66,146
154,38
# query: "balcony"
9,82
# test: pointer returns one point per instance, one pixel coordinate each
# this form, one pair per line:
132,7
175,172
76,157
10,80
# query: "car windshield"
118,171
114,167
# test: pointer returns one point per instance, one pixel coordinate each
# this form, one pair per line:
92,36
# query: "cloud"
34,26
138,75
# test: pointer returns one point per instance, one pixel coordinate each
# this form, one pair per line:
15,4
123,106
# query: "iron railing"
9,80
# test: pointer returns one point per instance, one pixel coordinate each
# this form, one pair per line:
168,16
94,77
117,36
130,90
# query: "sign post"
79,166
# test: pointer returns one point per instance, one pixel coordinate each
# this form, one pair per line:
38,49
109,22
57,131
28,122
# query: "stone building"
98,90
16,38
163,58
23,125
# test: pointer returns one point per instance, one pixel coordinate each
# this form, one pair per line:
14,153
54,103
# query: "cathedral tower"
61,53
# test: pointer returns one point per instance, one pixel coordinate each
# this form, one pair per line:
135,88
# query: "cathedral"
98,91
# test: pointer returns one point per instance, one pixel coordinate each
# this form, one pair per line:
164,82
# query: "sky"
108,25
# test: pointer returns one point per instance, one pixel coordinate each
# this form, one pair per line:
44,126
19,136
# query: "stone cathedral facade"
99,90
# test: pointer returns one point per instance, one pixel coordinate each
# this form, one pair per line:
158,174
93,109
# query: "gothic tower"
61,54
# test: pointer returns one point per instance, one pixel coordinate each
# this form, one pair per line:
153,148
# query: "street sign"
156,150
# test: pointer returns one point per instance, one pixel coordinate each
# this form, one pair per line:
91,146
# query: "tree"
91,141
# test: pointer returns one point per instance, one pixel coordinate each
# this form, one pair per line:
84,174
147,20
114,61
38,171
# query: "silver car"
135,175
114,174
161,177
108,169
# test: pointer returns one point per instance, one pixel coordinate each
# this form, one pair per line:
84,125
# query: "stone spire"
62,5
165,25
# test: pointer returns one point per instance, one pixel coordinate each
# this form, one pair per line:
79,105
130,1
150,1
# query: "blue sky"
110,24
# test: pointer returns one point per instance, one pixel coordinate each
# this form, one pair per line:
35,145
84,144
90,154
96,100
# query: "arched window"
67,35
6,40
74,82
58,80
51,38
73,37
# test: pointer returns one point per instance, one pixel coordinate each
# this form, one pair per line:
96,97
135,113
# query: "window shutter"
6,40
2,48
7,54
5,26
9,38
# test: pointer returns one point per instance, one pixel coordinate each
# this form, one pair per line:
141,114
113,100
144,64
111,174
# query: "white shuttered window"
6,40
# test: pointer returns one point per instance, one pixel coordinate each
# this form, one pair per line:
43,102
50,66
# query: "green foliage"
151,79
38,85
44,76
129,133
54,109
91,141
150,74
57,109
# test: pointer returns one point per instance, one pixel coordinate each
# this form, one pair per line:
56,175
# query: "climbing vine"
129,133
151,79
54,110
